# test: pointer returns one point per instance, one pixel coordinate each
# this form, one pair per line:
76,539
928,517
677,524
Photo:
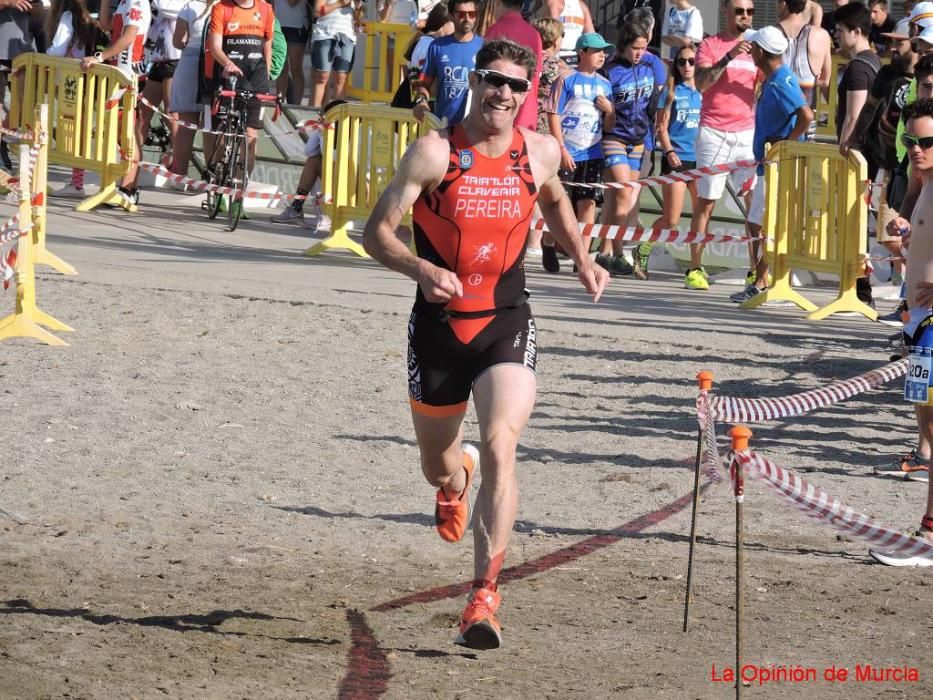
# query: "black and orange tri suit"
475,223
243,31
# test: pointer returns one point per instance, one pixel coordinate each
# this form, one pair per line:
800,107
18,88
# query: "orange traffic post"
740,435
705,382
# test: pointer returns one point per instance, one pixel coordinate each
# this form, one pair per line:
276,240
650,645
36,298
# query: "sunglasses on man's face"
739,11
924,142
686,61
465,14
497,80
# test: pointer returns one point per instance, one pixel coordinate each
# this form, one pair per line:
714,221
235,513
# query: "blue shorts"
618,153
918,337
332,54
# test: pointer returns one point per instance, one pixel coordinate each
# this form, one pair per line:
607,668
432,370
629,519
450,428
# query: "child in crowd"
635,98
541,245
580,112
677,124
313,169
74,35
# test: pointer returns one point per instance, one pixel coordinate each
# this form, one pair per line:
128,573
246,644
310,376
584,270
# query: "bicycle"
225,167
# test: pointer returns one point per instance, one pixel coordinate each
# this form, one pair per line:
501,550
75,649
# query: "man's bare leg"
504,396
439,440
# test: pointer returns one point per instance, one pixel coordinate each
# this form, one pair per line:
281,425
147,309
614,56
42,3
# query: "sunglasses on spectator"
739,11
465,14
497,80
686,61
924,142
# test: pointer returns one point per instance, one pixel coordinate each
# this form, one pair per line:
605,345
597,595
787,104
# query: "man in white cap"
782,113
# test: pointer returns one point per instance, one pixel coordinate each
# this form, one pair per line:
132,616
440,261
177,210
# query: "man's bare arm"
422,167
855,101
706,76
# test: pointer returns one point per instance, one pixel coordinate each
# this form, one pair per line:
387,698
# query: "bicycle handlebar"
247,95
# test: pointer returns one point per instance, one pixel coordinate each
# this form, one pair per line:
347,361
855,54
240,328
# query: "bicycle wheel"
238,178
214,175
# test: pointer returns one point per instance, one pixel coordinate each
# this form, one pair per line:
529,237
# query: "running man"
473,189
918,331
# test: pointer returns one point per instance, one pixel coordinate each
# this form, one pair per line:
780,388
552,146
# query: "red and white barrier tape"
202,186
18,134
661,235
300,127
735,410
673,178
816,504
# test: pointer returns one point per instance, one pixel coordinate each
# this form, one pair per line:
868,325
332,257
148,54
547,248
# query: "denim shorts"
332,54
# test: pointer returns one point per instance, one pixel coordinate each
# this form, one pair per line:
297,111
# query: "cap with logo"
770,39
593,40
922,14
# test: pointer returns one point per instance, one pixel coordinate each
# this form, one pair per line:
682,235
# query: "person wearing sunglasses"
682,26
726,75
782,114
918,331
474,188
511,25
677,123
447,67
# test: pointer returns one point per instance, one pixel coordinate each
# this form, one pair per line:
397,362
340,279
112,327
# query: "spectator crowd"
648,101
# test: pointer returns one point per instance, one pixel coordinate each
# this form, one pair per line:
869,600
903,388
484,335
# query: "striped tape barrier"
236,193
674,178
816,504
300,127
18,134
735,410
656,235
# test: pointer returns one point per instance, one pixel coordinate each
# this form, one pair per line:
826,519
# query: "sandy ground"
221,495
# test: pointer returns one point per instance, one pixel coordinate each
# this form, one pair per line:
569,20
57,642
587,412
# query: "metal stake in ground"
705,381
740,435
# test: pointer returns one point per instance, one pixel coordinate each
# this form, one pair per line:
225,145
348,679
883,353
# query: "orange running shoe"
452,517
479,628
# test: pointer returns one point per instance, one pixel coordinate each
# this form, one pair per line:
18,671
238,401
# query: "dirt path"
221,495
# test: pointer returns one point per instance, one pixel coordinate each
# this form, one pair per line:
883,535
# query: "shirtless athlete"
918,331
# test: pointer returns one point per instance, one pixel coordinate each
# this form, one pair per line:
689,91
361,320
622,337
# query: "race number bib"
917,384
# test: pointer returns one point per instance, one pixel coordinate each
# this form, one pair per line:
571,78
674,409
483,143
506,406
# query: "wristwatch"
420,99
99,56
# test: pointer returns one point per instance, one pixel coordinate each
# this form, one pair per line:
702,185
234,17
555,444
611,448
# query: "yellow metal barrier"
361,152
93,113
817,220
27,320
383,61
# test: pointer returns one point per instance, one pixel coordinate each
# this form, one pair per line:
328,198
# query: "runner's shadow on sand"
435,654
207,622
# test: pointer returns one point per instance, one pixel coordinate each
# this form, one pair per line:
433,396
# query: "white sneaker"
289,216
323,223
70,191
899,559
